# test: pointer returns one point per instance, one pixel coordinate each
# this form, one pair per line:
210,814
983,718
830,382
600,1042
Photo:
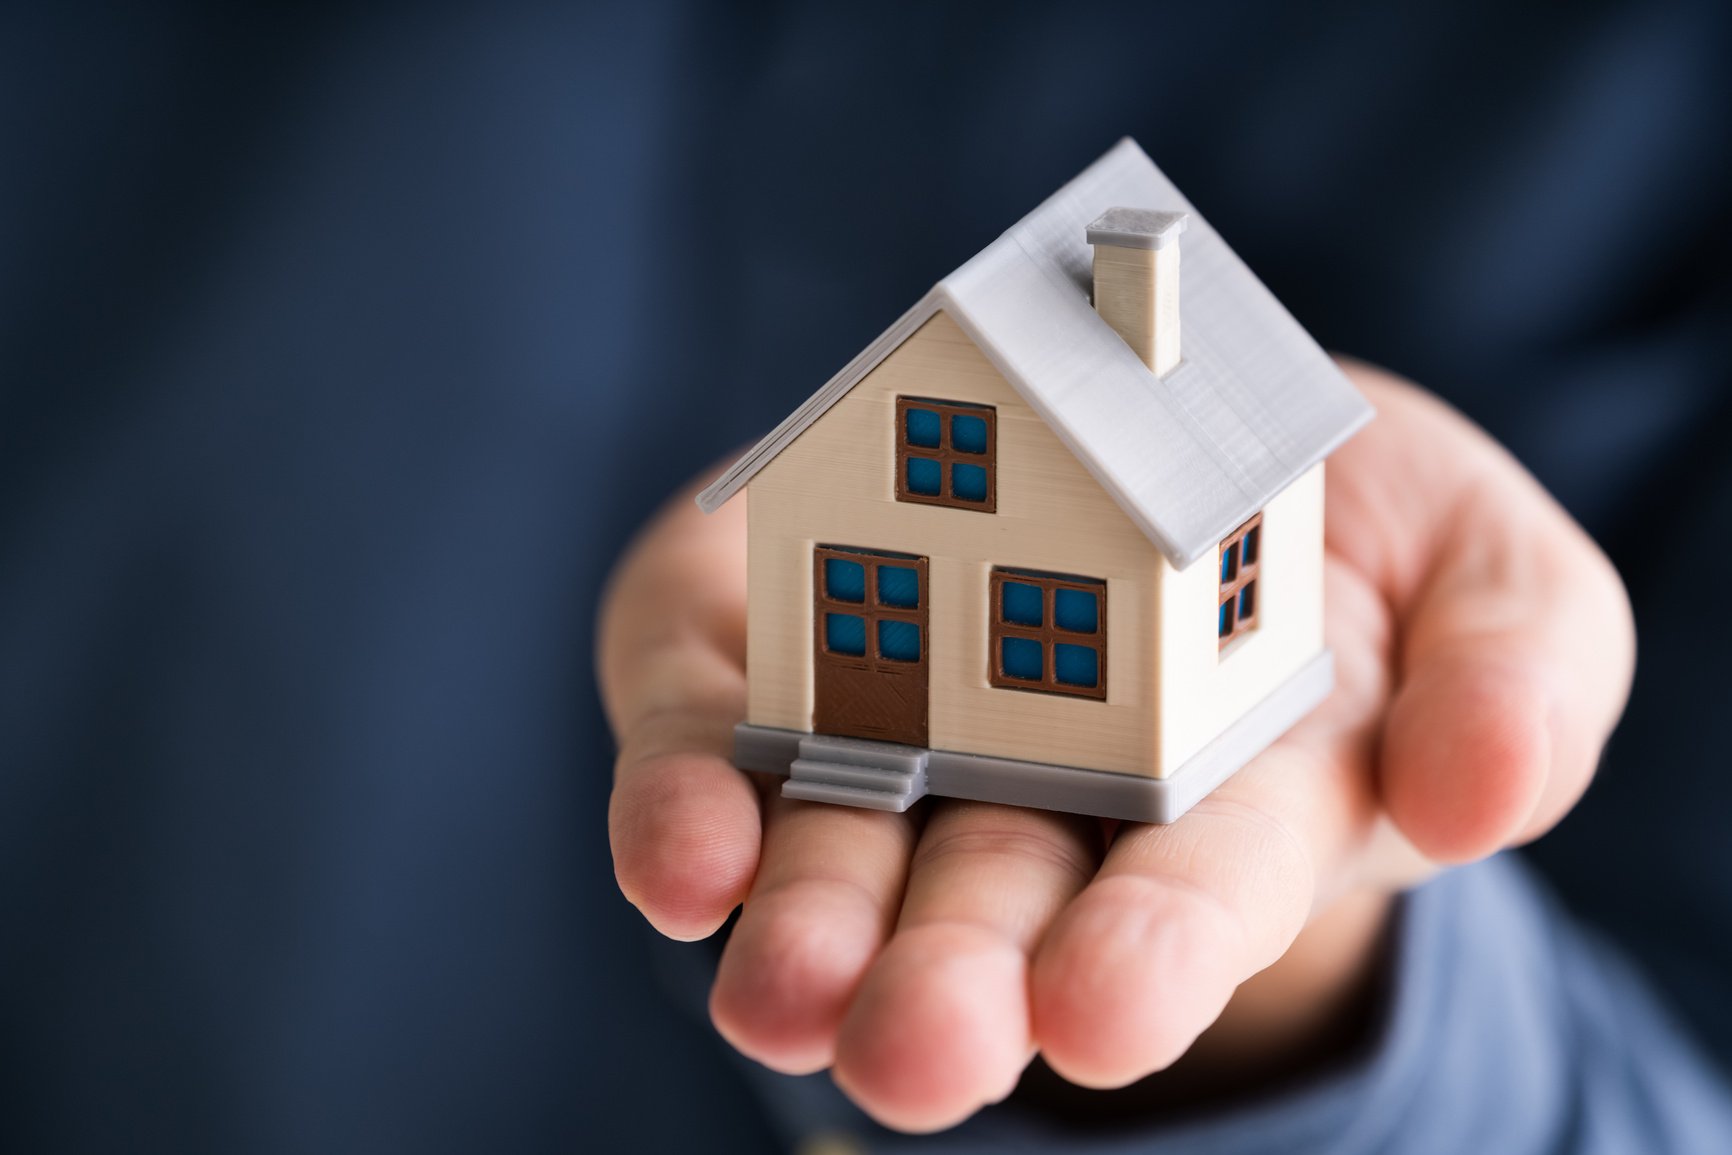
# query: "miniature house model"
1056,538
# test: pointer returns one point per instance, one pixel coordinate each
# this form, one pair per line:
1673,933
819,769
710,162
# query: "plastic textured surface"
1187,456
1016,783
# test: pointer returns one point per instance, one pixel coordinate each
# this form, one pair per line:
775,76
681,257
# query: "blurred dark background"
341,350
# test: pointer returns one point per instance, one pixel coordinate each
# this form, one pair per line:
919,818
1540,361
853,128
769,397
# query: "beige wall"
1137,293
1204,690
835,485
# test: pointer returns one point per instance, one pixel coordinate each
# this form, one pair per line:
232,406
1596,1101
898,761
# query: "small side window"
1240,570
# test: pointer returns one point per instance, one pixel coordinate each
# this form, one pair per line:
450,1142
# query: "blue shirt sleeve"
1508,1028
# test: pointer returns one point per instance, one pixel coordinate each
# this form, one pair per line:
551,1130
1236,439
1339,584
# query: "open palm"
1483,652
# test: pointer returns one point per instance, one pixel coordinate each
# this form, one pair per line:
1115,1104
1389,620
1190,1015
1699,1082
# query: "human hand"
1483,651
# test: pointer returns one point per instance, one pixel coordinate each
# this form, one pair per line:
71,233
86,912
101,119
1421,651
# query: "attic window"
947,454
1241,558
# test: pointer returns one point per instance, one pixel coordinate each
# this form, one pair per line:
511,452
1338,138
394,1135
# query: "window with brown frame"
947,454
1240,557
1047,632
869,630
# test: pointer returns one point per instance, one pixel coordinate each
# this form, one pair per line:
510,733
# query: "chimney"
1137,280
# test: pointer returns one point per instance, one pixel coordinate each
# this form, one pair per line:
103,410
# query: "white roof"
1189,456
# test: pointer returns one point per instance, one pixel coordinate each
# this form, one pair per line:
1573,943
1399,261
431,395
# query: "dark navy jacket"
339,352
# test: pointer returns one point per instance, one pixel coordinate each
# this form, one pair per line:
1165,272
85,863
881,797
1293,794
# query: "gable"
1050,513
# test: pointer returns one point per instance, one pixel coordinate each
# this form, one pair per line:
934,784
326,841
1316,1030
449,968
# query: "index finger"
684,824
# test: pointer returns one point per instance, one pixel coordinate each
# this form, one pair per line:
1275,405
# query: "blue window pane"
924,476
1022,604
968,482
845,634
844,581
1076,665
898,585
967,434
1247,600
923,427
1076,610
1229,565
899,641
1226,626
1250,546
1022,659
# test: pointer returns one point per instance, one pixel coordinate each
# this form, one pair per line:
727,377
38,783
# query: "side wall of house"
1204,689
835,485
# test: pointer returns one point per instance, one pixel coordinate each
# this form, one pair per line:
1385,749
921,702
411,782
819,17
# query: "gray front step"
848,795
854,772
865,777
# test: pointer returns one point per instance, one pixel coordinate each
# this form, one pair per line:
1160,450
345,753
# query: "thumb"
1516,639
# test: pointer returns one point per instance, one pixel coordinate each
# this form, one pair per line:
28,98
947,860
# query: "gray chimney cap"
1137,228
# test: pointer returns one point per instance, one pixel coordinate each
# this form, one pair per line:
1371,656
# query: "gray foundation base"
1069,788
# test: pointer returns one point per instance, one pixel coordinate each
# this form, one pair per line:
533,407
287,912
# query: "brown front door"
870,644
